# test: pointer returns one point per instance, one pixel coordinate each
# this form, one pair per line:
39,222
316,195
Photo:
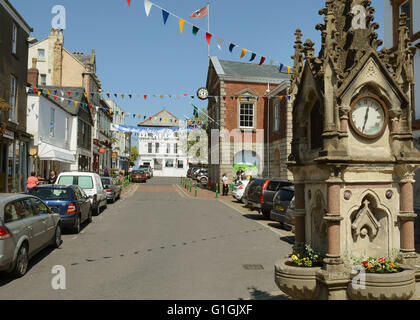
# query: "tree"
134,155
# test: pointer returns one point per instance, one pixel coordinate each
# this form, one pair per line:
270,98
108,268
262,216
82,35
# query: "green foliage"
303,255
134,154
381,265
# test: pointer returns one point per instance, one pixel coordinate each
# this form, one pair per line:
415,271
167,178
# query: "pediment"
161,119
246,93
308,86
371,70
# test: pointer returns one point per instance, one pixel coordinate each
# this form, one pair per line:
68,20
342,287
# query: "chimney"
33,74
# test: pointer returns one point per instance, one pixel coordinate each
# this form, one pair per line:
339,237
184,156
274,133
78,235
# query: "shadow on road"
257,294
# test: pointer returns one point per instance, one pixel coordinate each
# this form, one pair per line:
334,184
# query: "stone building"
76,72
240,108
353,158
393,8
14,139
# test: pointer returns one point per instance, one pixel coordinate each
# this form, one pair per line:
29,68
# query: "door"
82,204
101,190
33,223
46,219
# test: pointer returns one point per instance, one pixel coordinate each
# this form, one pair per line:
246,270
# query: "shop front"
51,157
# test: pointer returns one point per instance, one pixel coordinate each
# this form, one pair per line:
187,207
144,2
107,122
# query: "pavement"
159,243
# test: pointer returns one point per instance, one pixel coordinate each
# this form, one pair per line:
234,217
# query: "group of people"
240,175
34,180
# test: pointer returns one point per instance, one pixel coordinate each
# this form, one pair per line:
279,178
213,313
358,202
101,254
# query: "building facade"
240,112
160,146
393,10
102,138
121,140
14,139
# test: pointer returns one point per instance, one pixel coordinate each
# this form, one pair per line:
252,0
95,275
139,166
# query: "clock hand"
366,118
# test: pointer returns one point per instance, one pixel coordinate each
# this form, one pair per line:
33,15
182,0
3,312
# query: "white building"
102,137
393,9
121,142
160,146
53,127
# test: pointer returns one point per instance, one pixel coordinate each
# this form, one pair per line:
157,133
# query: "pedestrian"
240,174
52,178
106,172
225,181
32,182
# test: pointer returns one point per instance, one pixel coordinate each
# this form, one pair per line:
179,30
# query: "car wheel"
57,241
76,228
22,260
97,210
266,214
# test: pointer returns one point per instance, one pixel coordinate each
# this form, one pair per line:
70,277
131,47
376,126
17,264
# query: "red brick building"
244,103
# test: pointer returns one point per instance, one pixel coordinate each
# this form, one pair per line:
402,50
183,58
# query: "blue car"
70,202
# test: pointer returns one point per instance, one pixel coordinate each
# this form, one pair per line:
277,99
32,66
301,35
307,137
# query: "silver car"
27,226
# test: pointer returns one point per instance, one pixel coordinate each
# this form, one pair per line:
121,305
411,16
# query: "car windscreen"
138,172
51,194
106,181
84,182
285,195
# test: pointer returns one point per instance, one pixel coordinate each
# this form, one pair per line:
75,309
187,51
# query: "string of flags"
110,111
145,97
220,41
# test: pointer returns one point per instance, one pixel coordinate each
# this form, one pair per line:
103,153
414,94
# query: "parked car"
246,191
262,192
203,176
192,171
90,183
148,169
27,226
198,172
189,172
239,190
138,176
112,188
71,202
283,207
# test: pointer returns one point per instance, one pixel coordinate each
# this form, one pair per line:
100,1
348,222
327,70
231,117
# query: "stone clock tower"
353,158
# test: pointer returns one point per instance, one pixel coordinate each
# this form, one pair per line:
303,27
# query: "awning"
50,152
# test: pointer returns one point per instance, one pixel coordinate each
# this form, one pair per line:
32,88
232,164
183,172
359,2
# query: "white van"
91,184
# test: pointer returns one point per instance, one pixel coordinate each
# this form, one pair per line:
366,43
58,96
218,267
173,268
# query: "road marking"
266,226
186,195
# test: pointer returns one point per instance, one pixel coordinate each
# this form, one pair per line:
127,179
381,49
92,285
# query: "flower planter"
383,286
297,282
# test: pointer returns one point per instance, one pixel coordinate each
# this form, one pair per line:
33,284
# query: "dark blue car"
70,202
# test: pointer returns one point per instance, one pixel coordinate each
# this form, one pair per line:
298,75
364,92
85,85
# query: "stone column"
344,118
300,213
407,217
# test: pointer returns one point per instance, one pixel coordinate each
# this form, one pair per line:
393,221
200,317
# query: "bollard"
196,190
217,191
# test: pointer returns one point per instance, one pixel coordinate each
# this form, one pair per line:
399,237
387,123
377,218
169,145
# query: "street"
157,243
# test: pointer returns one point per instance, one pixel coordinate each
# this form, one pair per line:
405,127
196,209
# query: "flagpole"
208,24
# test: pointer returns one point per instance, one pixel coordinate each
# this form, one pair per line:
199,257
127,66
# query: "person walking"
52,178
32,182
240,174
225,181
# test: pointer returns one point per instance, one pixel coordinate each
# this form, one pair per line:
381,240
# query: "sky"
137,54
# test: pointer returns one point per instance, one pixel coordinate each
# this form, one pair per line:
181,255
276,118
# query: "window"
150,148
43,79
406,8
157,147
168,148
246,115
14,39
180,164
41,54
169,164
85,183
277,117
39,206
52,121
12,101
176,148
66,133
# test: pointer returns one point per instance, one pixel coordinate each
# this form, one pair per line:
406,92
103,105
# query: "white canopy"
49,152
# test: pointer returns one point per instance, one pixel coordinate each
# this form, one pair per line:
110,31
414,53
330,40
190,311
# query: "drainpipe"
268,131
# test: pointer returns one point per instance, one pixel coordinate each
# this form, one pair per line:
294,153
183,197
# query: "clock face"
202,93
368,117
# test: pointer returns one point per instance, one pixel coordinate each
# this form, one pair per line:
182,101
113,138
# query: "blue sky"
137,54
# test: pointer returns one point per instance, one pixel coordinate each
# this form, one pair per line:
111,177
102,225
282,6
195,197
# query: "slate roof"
83,58
232,70
164,114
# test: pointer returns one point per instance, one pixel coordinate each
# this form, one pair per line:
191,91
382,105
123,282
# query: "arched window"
316,126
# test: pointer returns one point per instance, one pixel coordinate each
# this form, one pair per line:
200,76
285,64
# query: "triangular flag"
219,43
208,37
195,30
145,97
107,95
122,96
75,103
253,56
165,16
147,6
243,53
289,69
231,46
262,60
129,2
161,96
281,67
181,25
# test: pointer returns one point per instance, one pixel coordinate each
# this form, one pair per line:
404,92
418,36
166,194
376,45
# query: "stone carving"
365,223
